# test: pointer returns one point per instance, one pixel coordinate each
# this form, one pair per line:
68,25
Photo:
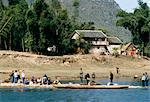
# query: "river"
73,95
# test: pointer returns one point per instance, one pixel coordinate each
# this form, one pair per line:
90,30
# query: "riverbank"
68,67
50,95
20,85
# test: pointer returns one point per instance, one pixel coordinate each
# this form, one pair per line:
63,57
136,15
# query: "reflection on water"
68,95
25,90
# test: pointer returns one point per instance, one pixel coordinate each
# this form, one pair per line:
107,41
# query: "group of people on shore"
15,76
87,77
19,77
45,80
145,79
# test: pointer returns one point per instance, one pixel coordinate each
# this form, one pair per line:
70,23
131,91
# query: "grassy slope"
37,65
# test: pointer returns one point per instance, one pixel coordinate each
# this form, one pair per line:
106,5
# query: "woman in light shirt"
23,76
15,76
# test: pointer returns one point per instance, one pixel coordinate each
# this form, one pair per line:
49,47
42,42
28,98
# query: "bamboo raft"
78,86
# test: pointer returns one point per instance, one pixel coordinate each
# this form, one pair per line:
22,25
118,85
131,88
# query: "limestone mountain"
101,12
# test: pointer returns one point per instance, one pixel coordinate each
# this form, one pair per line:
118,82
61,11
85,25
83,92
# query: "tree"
1,23
38,25
138,23
13,24
6,18
18,29
13,2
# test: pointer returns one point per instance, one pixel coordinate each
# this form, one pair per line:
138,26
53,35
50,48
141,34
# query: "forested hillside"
100,12
35,25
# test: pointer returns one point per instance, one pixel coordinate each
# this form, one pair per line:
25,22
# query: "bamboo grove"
33,26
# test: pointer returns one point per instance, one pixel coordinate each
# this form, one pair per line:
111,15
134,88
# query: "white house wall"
111,47
98,50
75,36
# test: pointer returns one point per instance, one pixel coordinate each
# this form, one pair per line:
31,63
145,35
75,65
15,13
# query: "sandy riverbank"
68,67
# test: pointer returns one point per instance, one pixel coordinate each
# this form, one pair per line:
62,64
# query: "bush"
115,52
147,51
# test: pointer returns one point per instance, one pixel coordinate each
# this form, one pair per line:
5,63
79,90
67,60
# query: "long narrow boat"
64,86
78,86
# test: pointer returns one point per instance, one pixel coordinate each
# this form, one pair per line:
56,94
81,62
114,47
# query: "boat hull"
67,86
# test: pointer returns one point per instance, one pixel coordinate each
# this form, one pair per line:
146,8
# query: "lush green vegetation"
36,26
138,23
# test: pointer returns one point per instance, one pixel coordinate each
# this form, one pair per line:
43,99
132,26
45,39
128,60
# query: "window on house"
103,39
96,39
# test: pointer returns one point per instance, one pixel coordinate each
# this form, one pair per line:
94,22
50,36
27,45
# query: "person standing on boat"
87,77
143,79
111,77
93,76
81,75
146,79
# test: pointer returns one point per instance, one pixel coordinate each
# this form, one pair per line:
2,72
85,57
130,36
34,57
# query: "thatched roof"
125,47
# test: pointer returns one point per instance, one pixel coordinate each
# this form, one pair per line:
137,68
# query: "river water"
73,95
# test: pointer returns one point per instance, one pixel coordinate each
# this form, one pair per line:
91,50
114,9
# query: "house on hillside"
115,44
129,49
100,42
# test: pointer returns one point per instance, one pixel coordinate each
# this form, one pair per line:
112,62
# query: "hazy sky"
127,5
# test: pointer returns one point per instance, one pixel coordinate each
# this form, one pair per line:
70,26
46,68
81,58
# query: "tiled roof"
114,40
91,33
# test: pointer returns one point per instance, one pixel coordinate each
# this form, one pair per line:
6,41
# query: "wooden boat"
66,86
78,86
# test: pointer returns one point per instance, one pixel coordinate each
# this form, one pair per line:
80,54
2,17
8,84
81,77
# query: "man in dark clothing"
87,77
111,77
146,79
12,77
44,79
117,69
